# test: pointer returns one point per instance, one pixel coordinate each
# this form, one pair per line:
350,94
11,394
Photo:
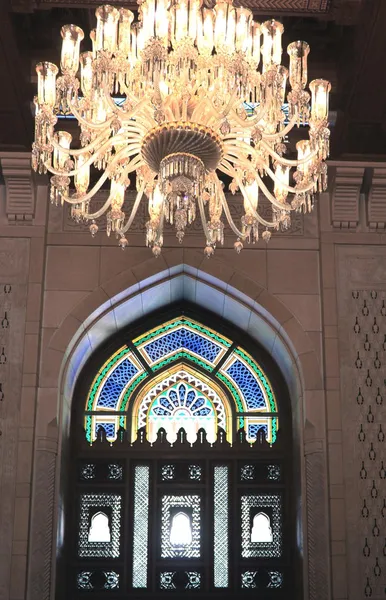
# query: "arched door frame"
265,319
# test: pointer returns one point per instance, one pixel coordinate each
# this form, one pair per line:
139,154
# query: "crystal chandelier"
178,98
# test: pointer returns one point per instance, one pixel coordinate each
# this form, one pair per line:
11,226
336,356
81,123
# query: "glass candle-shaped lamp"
224,25
117,194
86,72
271,50
252,199
72,36
82,176
180,21
47,73
126,18
282,177
155,203
205,38
63,138
255,46
243,29
162,20
194,10
303,148
298,53
320,89
107,28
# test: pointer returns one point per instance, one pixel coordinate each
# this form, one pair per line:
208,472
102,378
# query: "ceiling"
348,47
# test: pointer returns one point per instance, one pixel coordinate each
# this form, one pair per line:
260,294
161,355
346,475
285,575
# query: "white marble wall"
64,282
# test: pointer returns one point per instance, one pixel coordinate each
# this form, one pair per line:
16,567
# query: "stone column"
317,521
43,517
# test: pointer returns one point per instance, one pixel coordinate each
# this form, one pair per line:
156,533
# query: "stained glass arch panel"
181,343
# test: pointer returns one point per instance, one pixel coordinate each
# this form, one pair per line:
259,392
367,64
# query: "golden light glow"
178,99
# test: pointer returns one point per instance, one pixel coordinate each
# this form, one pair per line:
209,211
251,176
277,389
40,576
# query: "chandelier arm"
229,170
135,208
90,194
236,157
93,158
98,185
100,212
282,132
254,212
286,161
271,197
290,189
202,103
228,107
286,187
124,116
248,122
90,124
86,149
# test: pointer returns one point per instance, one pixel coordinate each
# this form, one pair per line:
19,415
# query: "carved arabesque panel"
368,364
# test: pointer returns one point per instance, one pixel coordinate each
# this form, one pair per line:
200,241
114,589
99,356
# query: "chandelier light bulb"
63,140
46,73
320,90
126,17
71,36
271,50
179,98
298,74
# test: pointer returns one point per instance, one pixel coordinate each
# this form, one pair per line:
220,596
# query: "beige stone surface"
57,305
306,308
72,268
293,272
293,287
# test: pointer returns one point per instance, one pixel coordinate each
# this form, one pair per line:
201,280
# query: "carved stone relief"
13,294
40,568
362,307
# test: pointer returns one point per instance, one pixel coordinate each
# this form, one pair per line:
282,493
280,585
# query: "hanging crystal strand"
249,223
60,184
215,225
298,98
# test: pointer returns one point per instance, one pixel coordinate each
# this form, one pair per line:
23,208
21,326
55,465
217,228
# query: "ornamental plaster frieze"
345,196
376,207
20,188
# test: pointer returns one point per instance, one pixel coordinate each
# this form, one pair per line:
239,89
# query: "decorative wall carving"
368,404
20,189
13,292
362,319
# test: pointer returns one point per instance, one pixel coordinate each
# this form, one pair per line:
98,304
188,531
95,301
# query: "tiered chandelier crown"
178,98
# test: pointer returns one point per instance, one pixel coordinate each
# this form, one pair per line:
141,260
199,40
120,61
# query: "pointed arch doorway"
182,439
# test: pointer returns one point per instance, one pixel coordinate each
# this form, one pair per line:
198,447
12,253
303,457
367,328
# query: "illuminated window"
99,529
261,529
180,482
181,530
